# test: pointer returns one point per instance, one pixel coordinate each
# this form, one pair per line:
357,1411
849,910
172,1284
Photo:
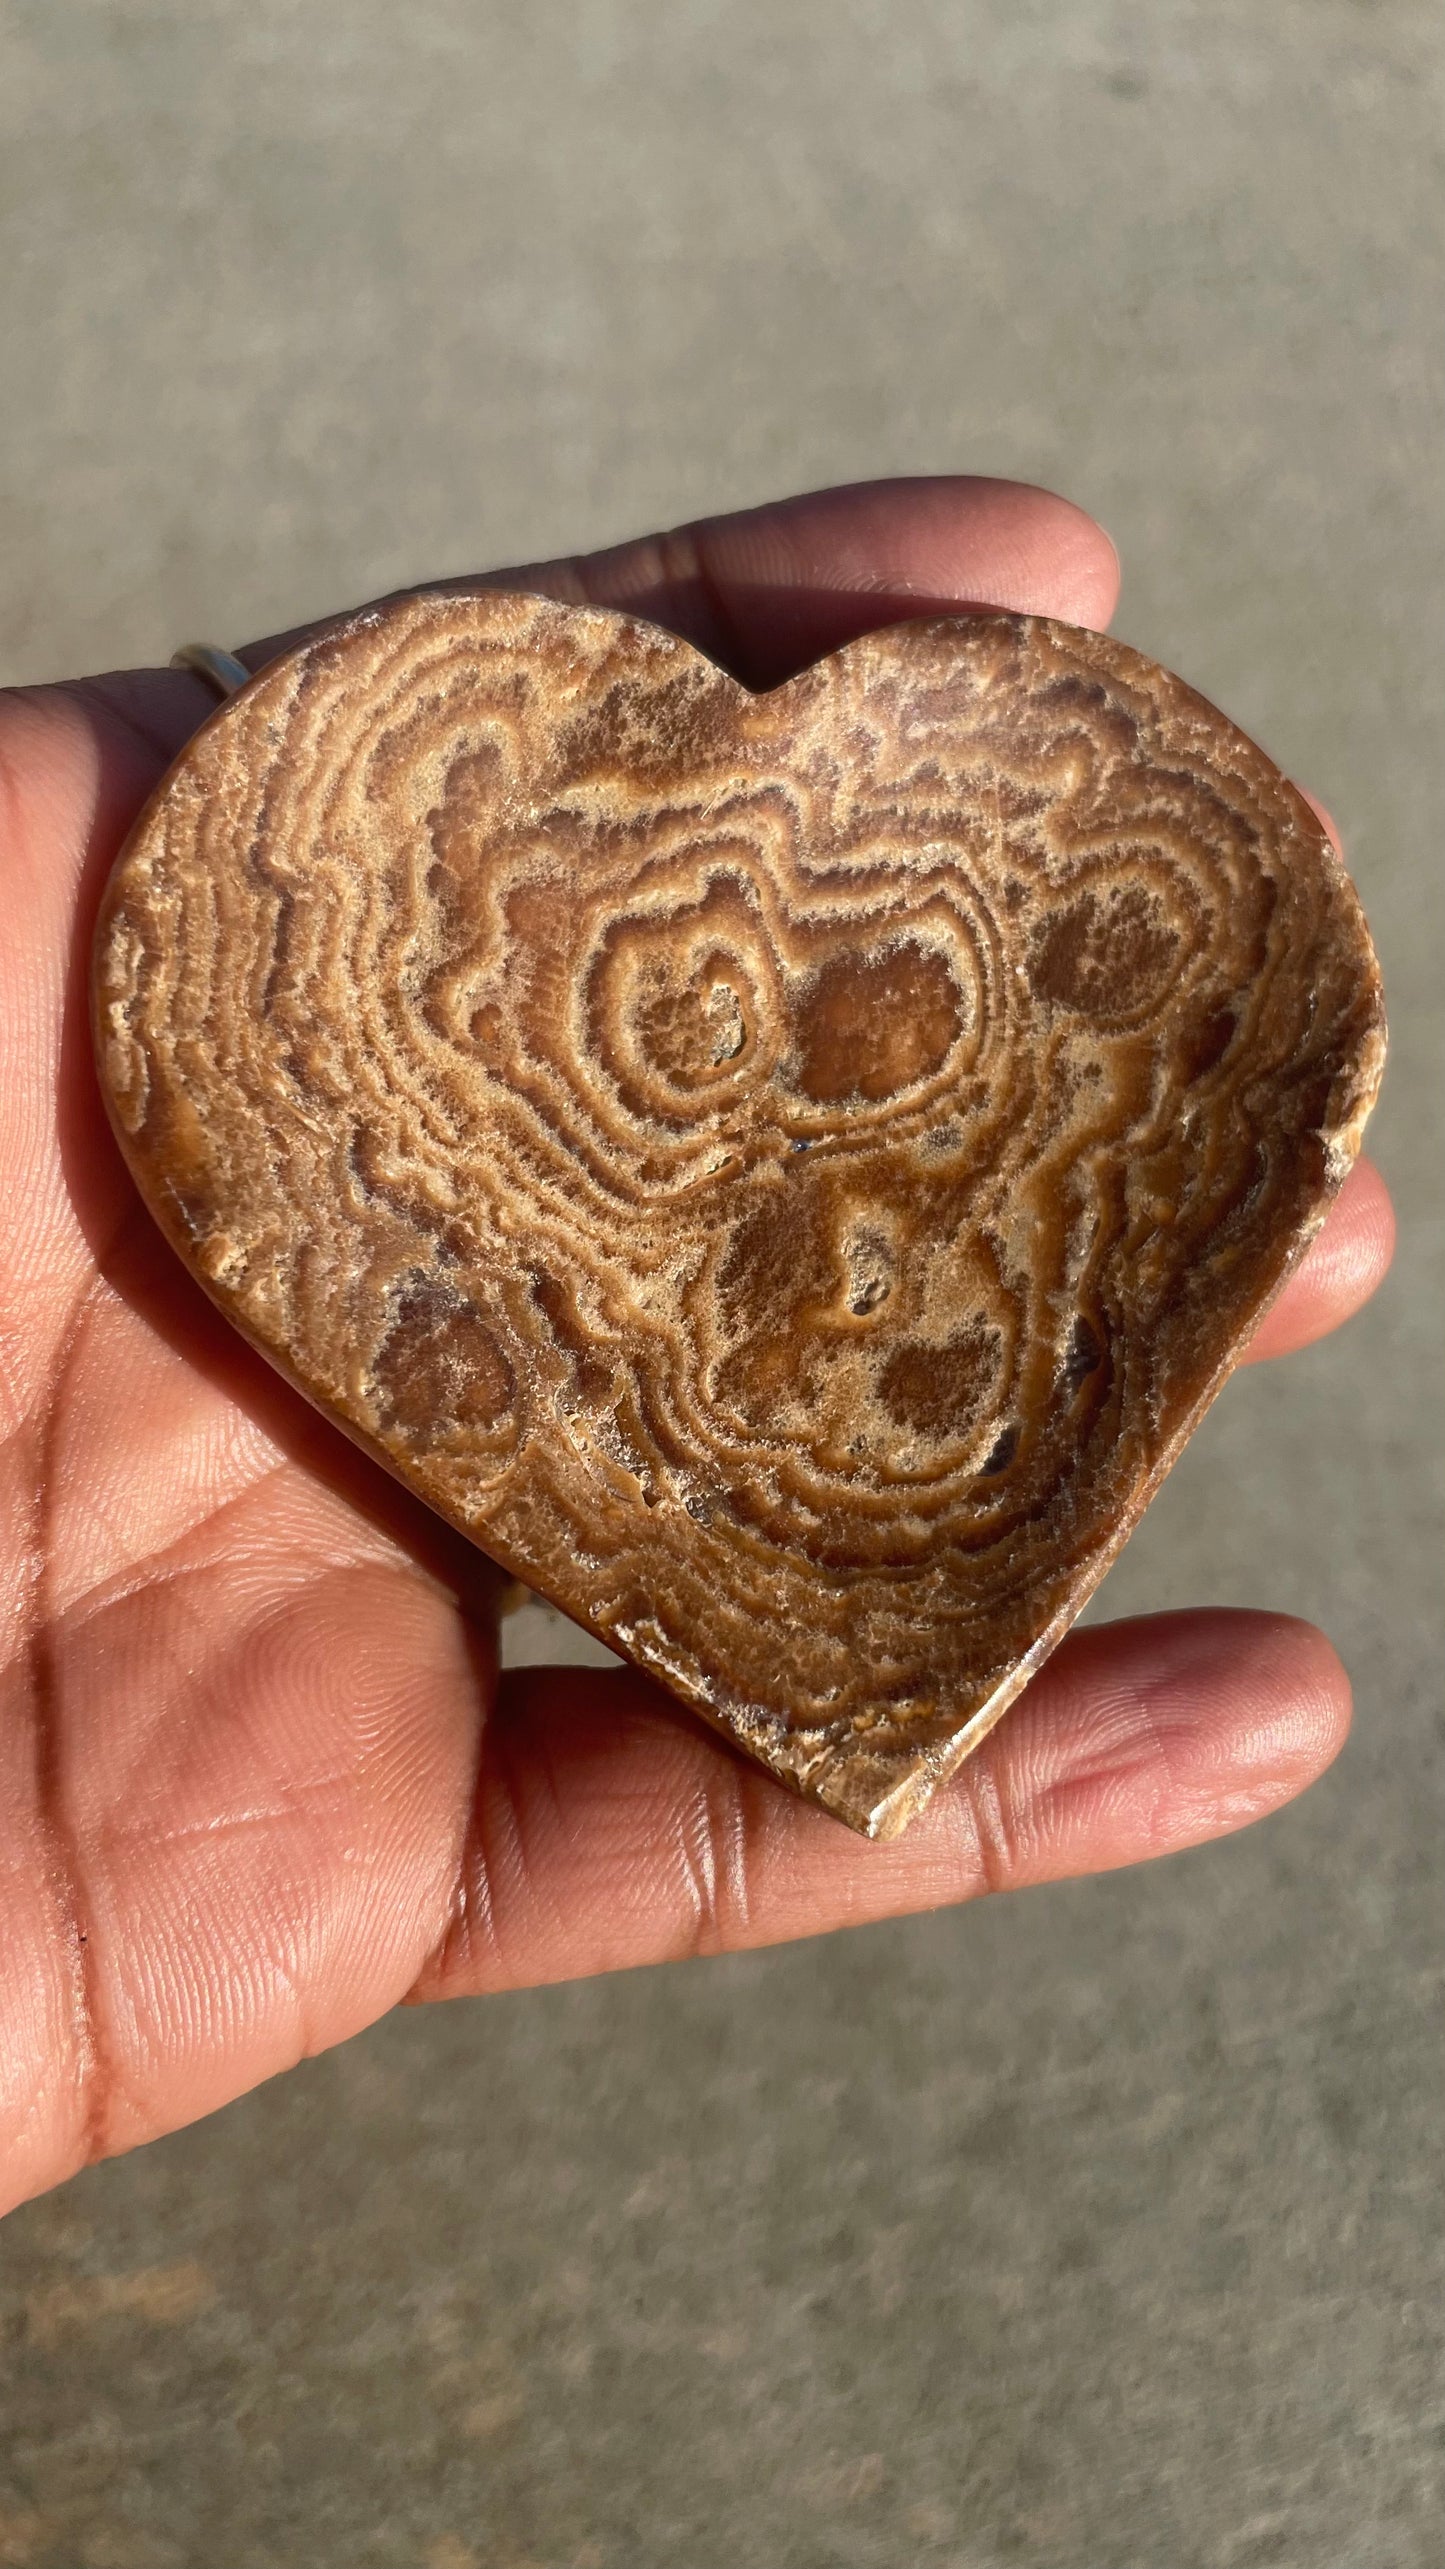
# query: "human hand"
260,1777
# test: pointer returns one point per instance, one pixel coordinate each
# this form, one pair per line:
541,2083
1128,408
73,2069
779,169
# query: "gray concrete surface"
1100,2229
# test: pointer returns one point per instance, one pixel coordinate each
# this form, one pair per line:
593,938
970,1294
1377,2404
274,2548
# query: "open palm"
260,1778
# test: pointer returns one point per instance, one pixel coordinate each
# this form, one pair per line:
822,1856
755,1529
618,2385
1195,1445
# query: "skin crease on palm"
260,1780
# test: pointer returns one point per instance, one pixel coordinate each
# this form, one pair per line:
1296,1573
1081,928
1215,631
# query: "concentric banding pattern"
784,1173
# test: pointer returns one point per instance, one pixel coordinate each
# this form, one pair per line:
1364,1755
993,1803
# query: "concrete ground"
1102,2228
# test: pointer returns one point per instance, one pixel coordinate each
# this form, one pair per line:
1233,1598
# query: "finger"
606,1833
769,589
1326,819
764,590
255,1887
1340,1270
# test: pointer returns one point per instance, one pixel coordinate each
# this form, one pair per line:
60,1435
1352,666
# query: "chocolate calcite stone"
784,1173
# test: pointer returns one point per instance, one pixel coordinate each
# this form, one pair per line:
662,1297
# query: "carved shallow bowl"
784,1173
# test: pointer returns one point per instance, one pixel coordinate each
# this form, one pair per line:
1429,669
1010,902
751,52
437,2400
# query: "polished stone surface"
1099,2229
783,1172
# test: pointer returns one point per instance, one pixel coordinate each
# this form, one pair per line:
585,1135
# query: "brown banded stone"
784,1173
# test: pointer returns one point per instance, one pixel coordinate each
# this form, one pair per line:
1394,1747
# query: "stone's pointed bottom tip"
783,1172
880,1794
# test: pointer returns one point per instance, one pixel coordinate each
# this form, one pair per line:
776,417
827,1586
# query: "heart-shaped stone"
784,1172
